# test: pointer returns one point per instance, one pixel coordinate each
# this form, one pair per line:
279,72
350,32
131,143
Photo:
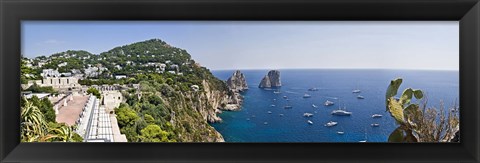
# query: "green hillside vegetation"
165,108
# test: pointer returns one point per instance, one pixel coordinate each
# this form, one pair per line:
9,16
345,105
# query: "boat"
265,123
314,106
356,91
285,97
248,119
313,89
287,107
377,116
310,122
253,116
281,115
307,114
375,125
341,112
272,105
331,123
306,96
329,103
360,97
269,112
365,140
340,132
276,92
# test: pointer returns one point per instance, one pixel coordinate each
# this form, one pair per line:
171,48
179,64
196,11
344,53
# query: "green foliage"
39,89
46,107
126,116
94,92
153,133
416,122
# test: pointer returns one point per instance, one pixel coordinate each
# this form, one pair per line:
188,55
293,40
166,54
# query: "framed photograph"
203,81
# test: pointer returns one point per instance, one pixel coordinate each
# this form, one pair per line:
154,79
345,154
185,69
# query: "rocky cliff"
272,79
237,82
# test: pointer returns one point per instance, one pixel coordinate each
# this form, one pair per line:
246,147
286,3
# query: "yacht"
307,114
329,103
276,92
306,96
287,107
313,89
265,123
285,97
314,106
331,123
377,116
356,91
272,105
341,112
281,115
340,132
360,97
310,122
269,112
375,125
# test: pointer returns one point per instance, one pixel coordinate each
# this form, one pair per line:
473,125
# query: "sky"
217,45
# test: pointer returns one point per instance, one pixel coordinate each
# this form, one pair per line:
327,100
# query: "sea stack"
237,82
272,79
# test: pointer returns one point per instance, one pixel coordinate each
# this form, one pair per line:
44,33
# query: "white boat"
287,107
329,103
272,105
310,122
341,112
331,123
365,140
314,106
276,92
265,123
375,125
312,89
306,96
340,132
360,97
281,115
377,116
269,112
356,91
307,114
248,119
285,97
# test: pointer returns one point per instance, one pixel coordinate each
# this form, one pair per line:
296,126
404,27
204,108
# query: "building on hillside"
50,73
120,76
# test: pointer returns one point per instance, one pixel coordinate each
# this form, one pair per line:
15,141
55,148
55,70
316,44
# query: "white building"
120,76
50,73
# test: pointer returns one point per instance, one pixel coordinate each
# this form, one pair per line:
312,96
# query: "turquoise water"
248,124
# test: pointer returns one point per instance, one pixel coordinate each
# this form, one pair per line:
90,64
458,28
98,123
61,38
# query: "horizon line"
327,68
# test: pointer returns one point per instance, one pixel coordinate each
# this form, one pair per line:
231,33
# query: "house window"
59,81
68,81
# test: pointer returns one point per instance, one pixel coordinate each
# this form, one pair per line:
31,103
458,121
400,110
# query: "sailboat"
356,90
314,106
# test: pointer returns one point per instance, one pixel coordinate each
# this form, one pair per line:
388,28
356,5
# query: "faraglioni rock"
272,79
237,82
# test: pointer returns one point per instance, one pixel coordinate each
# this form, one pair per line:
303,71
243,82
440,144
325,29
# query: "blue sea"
248,124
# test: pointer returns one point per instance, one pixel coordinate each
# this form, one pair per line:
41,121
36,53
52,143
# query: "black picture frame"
467,12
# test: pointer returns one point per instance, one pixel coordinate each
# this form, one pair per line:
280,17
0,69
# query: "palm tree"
63,133
33,124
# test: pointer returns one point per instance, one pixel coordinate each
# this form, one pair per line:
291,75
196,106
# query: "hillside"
175,99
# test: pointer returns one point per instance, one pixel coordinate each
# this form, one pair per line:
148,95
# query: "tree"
153,133
32,123
94,92
149,119
126,116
